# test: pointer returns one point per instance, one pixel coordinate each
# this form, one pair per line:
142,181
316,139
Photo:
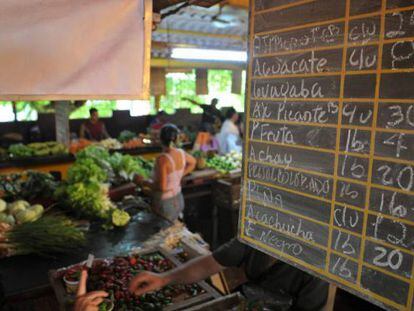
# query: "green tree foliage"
179,85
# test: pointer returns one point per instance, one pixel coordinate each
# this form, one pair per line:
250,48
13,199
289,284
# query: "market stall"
112,214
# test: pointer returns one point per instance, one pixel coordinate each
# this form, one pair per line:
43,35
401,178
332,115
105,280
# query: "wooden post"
331,298
157,102
158,83
201,81
236,81
62,111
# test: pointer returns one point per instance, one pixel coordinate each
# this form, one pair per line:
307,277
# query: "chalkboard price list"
328,176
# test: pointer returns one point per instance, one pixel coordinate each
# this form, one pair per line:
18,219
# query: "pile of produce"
130,140
45,236
19,212
97,164
126,136
110,144
28,186
133,143
225,164
37,149
114,276
78,145
126,167
90,200
86,189
146,165
20,151
201,158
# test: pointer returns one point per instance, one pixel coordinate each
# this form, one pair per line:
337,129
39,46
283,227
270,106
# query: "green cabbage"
3,205
37,208
8,219
90,199
26,216
18,206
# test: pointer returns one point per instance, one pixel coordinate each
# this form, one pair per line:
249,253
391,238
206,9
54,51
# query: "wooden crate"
226,193
66,301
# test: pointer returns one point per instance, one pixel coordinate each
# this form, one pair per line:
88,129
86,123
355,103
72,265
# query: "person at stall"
156,124
206,142
229,136
93,129
290,288
170,167
211,118
159,121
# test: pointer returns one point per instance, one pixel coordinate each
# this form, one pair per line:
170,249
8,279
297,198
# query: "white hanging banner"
75,49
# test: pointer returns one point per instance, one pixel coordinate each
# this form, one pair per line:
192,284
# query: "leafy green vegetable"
225,164
37,184
147,166
126,135
96,153
126,166
103,306
28,185
90,199
20,150
10,186
47,235
86,170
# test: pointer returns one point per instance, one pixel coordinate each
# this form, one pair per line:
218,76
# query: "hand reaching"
88,301
147,282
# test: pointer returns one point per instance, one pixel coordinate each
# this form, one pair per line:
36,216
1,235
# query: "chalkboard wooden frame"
369,249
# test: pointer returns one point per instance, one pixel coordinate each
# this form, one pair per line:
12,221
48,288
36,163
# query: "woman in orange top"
170,167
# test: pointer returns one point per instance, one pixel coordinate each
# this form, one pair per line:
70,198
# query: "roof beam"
200,34
239,3
175,63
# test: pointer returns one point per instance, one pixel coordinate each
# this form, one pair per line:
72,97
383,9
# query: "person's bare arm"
82,131
161,172
190,164
105,132
191,101
193,271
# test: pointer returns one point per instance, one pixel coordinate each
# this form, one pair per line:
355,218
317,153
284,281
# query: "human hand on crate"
88,301
147,282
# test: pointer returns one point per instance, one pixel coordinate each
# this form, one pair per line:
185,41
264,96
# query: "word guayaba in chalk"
295,227
289,65
318,113
286,89
298,180
326,34
270,238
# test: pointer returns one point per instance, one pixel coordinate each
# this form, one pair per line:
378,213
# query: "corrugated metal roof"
217,27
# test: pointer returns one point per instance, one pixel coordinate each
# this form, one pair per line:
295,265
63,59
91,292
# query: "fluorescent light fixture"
207,54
